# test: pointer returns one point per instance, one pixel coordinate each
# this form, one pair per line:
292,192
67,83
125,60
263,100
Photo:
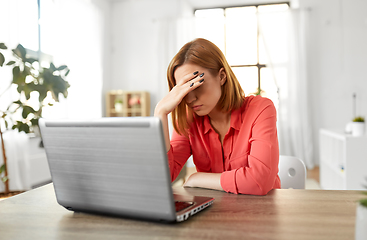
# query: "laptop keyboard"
182,205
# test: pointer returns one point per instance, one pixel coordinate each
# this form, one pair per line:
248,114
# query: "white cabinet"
27,162
343,160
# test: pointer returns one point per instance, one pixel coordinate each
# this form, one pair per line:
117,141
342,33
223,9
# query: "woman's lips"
196,107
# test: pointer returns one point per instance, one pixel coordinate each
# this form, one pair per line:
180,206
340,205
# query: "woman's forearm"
204,180
164,120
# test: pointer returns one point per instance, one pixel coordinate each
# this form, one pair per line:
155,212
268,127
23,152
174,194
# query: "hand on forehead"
187,72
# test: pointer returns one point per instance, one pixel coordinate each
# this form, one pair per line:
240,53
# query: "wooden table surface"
282,214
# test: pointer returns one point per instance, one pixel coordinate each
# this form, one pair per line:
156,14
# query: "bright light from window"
273,8
49,29
240,32
248,78
28,23
274,25
241,35
269,83
210,25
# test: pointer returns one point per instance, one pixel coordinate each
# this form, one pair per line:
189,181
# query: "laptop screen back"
110,165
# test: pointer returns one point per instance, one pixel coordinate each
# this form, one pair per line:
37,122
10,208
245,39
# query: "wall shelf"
127,104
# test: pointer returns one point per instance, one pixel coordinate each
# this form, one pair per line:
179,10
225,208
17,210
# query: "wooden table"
282,214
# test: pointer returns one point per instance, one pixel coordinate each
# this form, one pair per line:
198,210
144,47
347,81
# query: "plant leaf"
42,95
62,67
30,60
2,168
20,52
52,67
18,76
27,110
18,102
2,59
21,127
363,202
3,46
4,179
10,63
34,121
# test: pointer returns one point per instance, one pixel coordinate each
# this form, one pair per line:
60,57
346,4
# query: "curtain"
18,161
289,71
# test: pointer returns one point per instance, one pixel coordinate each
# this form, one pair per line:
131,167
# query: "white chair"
292,172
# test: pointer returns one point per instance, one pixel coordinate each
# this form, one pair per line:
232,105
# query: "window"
35,27
237,32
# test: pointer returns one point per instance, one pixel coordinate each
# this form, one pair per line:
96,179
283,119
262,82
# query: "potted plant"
358,126
28,76
361,219
118,105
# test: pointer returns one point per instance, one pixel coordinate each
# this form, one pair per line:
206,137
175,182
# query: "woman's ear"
222,76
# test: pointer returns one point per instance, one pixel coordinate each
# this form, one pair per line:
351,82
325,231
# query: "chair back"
292,172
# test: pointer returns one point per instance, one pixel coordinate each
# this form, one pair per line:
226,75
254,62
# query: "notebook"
114,166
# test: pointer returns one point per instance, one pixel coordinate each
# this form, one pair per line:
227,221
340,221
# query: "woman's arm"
204,180
164,107
164,121
260,174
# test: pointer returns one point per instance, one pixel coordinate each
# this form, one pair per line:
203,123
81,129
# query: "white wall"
136,46
337,56
337,62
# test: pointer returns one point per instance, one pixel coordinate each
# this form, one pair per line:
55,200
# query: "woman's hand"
185,85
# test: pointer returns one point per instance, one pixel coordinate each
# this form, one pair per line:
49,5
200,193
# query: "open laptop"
114,166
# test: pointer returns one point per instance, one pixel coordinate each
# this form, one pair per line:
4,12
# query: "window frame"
258,65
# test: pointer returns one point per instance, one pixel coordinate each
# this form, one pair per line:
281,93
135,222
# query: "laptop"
115,166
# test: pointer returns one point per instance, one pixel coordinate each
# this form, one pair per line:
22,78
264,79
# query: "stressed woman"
232,138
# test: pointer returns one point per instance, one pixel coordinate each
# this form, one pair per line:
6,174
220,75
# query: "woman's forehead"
187,69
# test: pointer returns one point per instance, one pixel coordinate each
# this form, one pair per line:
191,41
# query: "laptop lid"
112,166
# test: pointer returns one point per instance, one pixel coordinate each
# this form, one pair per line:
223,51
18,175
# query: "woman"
233,138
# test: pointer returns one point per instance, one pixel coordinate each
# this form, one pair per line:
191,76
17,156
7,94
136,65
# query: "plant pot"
357,129
361,223
118,107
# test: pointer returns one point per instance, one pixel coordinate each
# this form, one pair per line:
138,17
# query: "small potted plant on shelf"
361,218
118,105
358,126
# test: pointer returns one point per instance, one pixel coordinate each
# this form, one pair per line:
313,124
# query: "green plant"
259,91
358,119
29,76
363,201
118,101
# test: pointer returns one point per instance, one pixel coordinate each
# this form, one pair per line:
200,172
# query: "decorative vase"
118,107
357,129
361,223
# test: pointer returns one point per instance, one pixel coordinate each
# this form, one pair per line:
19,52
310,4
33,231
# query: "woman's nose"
190,97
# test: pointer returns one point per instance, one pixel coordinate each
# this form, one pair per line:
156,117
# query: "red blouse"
249,157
